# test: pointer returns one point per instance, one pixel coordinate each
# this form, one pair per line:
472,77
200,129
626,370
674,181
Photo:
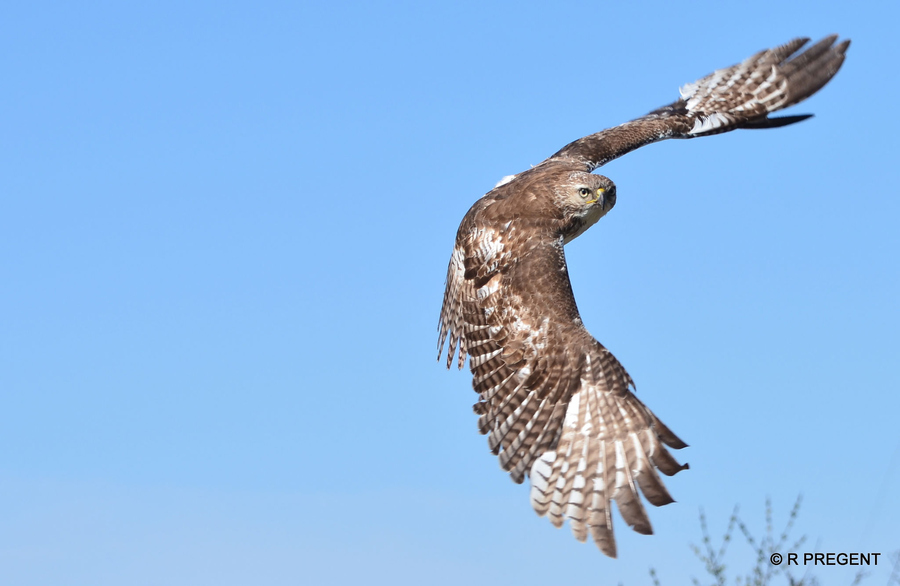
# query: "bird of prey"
555,404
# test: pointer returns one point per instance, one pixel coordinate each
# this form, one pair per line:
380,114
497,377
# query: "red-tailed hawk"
556,405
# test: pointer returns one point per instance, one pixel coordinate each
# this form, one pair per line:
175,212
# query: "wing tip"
776,121
666,434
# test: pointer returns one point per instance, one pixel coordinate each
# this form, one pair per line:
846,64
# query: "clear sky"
224,231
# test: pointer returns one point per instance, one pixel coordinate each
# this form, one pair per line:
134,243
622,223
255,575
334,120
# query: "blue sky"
225,229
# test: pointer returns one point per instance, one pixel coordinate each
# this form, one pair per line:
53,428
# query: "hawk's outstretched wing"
553,401
555,404
741,96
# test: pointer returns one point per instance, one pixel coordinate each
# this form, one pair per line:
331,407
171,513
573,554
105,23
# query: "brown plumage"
556,405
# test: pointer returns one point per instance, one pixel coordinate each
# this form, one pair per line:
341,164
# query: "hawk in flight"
555,404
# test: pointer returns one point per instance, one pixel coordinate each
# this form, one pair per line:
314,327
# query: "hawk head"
583,198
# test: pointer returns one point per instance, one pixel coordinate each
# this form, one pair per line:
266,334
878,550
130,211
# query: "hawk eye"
584,192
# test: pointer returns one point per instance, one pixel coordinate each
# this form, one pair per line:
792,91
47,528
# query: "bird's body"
555,404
